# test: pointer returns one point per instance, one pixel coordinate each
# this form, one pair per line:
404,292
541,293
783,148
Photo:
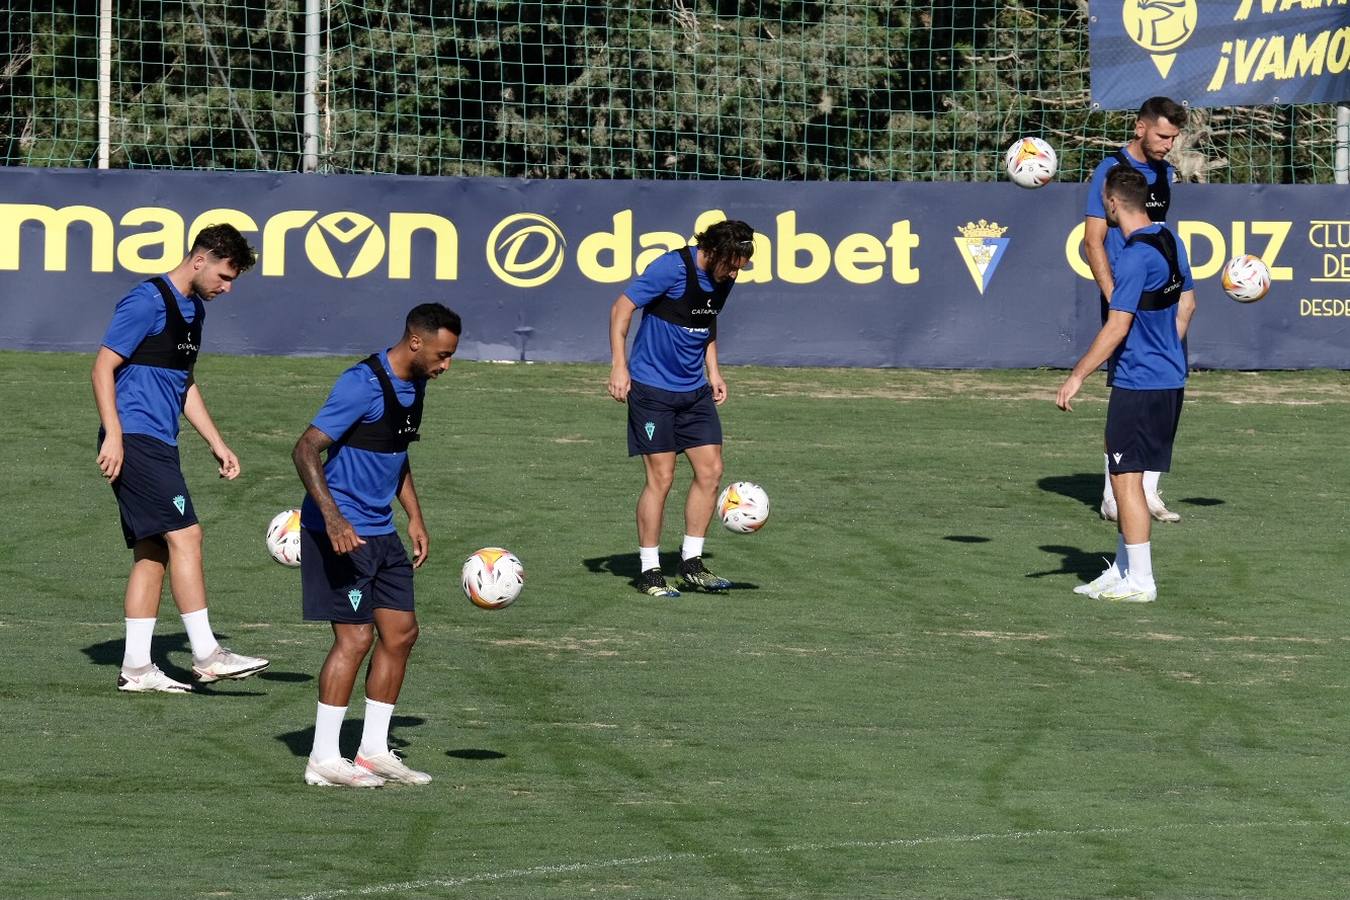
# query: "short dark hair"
225,242
1156,108
1128,185
728,240
429,318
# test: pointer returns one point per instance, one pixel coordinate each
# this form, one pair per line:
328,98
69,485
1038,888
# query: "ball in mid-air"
492,578
1246,278
283,537
743,507
1030,162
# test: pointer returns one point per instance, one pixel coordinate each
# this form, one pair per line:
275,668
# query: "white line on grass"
567,868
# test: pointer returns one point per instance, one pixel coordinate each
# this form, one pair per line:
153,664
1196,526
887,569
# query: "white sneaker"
1127,591
339,772
1108,509
1159,511
224,663
388,766
1108,579
151,680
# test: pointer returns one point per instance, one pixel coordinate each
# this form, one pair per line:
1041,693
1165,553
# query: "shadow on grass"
300,742
109,653
1073,561
629,566
474,753
1202,501
966,539
1085,487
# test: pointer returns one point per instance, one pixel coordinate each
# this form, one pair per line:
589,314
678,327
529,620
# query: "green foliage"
852,89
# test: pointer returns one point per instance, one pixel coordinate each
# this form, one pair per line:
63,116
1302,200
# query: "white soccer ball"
1030,162
743,507
283,537
1246,278
492,578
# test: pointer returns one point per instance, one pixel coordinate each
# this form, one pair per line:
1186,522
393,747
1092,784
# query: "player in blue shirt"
143,382
673,386
1159,122
354,570
1151,309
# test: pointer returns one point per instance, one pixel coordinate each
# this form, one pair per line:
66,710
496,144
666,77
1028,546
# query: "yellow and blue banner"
1219,52
921,275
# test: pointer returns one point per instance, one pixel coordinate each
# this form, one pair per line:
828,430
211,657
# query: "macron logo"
1116,457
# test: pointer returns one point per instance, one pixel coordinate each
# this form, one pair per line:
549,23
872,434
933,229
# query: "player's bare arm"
105,398
1103,345
1185,309
620,318
1094,247
309,465
417,526
194,408
719,387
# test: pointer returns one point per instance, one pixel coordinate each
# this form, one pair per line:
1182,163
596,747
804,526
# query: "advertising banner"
1219,52
931,275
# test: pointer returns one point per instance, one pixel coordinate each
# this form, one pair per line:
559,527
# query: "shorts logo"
354,596
650,428
1117,457
180,503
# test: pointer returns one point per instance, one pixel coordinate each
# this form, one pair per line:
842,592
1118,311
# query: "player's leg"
651,435
397,632
706,461
333,588
187,578
651,508
1156,508
145,585
1141,440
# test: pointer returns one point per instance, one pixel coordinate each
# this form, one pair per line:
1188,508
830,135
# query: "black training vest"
176,346
1159,192
695,308
397,428
1165,243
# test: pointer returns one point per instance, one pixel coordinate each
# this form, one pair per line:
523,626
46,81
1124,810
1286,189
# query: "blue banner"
861,274
1219,52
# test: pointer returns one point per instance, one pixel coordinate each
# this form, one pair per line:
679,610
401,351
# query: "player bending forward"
672,402
1151,309
354,571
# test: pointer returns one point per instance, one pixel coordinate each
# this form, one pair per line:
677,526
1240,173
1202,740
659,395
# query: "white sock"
198,625
1122,562
1141,563
375,734
1108,495
327,728
136,655
1151,482
650,557
693,546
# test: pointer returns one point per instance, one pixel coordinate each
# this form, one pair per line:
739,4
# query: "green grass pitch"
901,698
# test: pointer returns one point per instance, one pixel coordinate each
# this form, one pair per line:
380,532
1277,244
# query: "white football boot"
339,772
1108,579
1159,511
1127,590
388,766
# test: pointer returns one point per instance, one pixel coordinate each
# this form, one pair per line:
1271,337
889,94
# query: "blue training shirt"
1115,241
667,356
149,398
1151,357
363,483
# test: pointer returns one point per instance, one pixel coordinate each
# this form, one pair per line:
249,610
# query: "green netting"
846,90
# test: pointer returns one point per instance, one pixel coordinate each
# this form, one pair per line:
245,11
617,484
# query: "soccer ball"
1030,162
283,537
1246,278
743,507
492,578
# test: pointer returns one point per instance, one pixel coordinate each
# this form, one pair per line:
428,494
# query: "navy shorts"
671,421
151,493
349,588
1140,429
